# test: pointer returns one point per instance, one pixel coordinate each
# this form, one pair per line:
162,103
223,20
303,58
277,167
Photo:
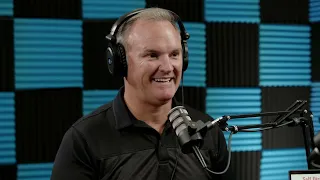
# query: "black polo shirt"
111,144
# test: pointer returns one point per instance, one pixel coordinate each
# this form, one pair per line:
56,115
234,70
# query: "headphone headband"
116,56
116,26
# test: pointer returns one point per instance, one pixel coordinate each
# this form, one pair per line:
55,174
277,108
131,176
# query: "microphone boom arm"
305,121
294,115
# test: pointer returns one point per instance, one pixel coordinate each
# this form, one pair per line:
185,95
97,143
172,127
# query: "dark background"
245,57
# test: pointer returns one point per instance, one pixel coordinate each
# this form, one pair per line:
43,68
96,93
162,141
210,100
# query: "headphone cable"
182,95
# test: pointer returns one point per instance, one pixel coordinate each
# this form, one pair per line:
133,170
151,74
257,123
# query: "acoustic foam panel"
193,96
7,128
315,105
39,115
188,10
315,51
284,52
41,62
232,11
279,99
284,11
195,75
93,99
40,168
314,9
95,67
8,172
34,171
276,163
100,9
6,55
232,55
6,8
70,9
234,101
245,165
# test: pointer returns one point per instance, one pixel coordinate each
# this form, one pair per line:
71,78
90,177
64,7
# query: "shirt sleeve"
73,159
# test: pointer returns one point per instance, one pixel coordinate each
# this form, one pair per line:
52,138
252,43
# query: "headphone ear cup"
111,58
123,67
116,57
185,56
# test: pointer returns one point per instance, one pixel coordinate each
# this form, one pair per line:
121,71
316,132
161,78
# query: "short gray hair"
152,14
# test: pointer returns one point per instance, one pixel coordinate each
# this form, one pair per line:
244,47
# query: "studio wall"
245,57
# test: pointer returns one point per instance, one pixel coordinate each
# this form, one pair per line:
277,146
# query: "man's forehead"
159,42
154,34
141,24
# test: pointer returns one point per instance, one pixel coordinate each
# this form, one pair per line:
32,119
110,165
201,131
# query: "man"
131,137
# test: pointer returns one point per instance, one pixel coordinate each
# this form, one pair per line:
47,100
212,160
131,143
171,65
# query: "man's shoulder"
97,117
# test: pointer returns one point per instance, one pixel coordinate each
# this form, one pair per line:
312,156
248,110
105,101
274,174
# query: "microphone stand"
293,116
305,121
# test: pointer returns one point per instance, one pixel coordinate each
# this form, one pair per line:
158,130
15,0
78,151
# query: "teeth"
162,79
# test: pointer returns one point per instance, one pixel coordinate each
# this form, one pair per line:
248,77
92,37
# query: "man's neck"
154,116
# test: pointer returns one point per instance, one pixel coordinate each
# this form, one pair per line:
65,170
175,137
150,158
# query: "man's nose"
166,65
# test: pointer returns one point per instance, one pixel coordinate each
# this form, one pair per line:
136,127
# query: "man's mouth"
162,80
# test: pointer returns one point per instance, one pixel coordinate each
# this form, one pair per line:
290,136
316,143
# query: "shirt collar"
123,117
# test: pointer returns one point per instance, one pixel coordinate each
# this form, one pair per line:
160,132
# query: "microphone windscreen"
184,128
177,116
178,111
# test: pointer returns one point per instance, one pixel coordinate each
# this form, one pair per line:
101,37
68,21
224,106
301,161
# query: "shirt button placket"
164,170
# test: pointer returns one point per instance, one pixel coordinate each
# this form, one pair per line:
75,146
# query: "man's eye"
153,55
175,54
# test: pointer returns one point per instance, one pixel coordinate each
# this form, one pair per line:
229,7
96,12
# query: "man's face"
154,60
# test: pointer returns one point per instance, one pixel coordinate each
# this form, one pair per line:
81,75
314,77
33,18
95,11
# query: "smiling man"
131,137
154,70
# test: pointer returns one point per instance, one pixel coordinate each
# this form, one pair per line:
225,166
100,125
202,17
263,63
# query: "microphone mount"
294,115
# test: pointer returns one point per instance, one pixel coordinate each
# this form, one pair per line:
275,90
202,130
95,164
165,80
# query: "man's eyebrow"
147,50
177,50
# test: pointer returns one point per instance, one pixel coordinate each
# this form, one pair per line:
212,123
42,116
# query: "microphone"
189,132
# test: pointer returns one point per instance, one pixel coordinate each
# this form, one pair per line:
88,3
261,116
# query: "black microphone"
189,132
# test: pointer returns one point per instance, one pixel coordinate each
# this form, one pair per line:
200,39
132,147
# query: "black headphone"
116,56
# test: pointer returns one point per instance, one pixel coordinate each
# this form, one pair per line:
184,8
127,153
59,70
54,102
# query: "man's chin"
165,98
163,95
